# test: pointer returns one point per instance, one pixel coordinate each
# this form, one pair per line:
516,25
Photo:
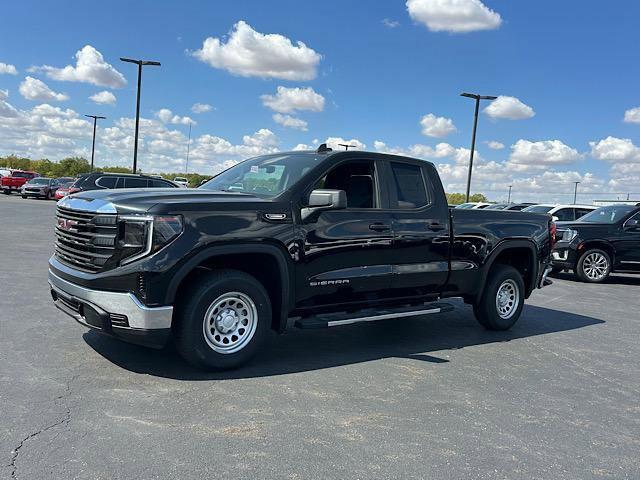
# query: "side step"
371,315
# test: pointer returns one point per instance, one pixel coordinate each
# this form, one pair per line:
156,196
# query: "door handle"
435,226
379,227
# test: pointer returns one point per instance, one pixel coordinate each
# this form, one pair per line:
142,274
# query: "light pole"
93,144
186,168
509,200
140,63
477,98
346,146
575,192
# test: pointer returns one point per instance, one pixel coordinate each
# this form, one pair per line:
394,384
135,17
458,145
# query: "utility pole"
346,146
575,192
93,144
477,98
509,200
140,63
186,168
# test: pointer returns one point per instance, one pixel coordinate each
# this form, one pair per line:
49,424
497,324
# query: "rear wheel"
24,196
502,300
224,322
594,266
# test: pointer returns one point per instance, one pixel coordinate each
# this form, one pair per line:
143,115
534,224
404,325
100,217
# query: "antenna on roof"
346,146
323,148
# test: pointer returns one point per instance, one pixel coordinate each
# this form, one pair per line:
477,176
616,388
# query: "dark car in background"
102,181
40,187
604,241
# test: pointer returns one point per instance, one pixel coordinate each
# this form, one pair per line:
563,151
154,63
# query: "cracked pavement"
558,397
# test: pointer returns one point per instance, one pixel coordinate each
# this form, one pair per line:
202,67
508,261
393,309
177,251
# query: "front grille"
85,240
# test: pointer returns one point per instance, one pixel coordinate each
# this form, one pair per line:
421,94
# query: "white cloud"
333,142
6,68
441,151
632,115
201,108
290,122
90,68
510,108
433,126
527,155
456,16
303,146
103,98
494,145
6,109
34,89
166,116
288,100
252,54
390,23
615,150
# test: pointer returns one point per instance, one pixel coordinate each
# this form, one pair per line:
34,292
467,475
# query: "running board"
370,315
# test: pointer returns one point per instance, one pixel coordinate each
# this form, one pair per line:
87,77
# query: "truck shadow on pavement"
614,279
307,350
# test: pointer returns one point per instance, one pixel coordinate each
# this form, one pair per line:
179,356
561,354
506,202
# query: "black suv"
603,241
305,239
97,181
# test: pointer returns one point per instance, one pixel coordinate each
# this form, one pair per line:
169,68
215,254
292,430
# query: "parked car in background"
313,239
605,240
40,187
15,180
101,181
466,206
64,190
561,213
498,206
518,206
182,181
63,180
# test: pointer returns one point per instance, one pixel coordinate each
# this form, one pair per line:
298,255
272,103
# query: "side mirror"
321,200
554,218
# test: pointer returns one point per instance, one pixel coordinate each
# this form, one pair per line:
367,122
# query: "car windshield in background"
38,181
538,209
21,175
265,176
609,214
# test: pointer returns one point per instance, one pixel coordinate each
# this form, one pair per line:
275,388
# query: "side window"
357,179
134,182
157,183
564,214
581,212
409,184
106,182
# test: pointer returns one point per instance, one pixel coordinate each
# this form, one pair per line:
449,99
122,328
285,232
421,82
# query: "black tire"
6,191
585,274
486,309
24,196
556,270
192,341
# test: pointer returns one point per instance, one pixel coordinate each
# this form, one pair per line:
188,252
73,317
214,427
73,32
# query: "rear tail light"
552,233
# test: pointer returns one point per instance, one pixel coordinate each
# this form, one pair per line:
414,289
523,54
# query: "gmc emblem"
66,224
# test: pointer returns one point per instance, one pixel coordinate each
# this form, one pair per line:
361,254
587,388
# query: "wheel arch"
599,244
250,258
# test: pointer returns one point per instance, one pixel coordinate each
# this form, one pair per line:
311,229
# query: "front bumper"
564,255
119,314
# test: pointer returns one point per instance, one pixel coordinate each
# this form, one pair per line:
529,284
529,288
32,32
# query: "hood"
144,199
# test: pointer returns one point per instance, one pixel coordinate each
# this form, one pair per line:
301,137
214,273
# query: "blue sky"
379,67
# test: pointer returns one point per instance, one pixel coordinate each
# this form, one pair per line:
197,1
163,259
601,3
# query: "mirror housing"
554,218
321,200
632,224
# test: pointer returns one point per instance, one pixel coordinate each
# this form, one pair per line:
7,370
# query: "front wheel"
24,196
594,266
502,301
224,321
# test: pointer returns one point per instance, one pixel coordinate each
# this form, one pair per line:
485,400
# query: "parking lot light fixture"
575,191
140,64
477,98
93,144
509,199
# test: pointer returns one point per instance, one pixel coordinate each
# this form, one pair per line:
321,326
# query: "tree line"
74,166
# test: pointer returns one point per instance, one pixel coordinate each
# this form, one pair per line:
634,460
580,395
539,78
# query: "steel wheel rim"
595,266
230,322
507,299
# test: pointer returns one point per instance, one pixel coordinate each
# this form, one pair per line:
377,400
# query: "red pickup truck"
14,181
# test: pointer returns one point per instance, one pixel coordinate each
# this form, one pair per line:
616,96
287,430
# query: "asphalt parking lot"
557,397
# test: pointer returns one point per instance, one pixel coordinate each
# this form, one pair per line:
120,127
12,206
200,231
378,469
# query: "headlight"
569,235
141,235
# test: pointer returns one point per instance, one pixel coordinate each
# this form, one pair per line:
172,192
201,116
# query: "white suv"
561,213
182,181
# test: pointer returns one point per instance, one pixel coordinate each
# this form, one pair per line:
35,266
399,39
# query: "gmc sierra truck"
310,239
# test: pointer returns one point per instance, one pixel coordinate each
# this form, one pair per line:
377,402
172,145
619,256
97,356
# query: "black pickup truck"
310,239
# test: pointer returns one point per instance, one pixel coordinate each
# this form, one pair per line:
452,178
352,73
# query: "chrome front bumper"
123,308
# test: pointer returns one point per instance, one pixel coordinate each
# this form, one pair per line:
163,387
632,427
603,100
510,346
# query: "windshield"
609,214
38,181
538,209
265,176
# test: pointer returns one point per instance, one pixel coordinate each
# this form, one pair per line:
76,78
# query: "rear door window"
564,214
134,182
581,212
106,182
157,183
409,185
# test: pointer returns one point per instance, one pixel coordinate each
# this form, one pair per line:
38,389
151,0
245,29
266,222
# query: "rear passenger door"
420,222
